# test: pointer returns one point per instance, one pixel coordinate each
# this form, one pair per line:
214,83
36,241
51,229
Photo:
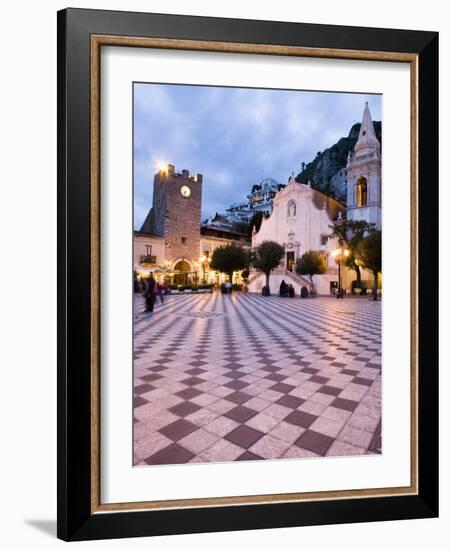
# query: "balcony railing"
148,260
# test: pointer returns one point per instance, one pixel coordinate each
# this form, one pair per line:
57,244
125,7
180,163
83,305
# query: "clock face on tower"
185,191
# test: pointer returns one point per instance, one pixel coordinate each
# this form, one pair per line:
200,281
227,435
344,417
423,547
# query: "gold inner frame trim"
97,41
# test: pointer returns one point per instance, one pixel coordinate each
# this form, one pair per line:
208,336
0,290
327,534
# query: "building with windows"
301,216
299,222
364,175
172,243
258,200
261,197
148,251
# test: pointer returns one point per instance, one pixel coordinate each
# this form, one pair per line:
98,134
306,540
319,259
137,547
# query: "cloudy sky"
234,136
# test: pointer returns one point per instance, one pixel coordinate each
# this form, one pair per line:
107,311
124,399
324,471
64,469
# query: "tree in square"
229,258
351,233
368,255
311,263
266,257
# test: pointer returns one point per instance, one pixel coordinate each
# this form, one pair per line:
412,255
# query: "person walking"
160,291
165,287
149,294
283,288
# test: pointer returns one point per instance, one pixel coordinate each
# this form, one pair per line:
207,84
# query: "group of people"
286,290
152,290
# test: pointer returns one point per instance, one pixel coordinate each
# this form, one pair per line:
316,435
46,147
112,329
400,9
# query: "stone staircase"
257,280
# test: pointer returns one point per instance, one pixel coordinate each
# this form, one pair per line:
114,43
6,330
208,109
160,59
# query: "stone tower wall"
159,205
371,170
177,218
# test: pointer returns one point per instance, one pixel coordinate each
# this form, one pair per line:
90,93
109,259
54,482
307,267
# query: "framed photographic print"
247,274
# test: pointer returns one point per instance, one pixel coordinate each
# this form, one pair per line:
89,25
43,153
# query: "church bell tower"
364,175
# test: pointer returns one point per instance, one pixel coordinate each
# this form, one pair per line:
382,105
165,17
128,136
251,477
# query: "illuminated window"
361,192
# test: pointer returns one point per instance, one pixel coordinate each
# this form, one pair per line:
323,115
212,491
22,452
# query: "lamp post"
204,262
338,255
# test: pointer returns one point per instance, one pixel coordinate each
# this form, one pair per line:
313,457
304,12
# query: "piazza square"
226,377
257,328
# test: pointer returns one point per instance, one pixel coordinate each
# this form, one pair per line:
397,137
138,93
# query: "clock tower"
175,215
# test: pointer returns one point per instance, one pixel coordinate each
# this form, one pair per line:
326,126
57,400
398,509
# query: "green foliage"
229,258
311,263
368,252
351,233
267,256
245,273
369,256
352,263
241,227
255,221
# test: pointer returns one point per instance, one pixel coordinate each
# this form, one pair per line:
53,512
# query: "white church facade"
301,218
299,221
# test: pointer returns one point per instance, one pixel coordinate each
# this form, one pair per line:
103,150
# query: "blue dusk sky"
234,136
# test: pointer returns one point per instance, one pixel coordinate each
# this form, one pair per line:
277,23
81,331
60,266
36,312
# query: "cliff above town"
328,162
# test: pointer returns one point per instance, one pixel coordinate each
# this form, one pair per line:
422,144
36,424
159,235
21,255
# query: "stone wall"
181,215
174,217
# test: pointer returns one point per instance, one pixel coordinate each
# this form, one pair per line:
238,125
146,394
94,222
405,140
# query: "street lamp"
338,255
161,166
204,262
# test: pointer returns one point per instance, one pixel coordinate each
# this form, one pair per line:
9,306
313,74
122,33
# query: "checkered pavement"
245,377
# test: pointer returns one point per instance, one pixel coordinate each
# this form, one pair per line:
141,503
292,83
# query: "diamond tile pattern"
242,377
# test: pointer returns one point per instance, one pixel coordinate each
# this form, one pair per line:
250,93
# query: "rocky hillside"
327,163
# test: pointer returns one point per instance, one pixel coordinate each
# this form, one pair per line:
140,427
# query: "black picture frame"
76,520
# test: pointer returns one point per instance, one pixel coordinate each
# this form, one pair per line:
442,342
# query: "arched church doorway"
361,191
181,275
290,258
